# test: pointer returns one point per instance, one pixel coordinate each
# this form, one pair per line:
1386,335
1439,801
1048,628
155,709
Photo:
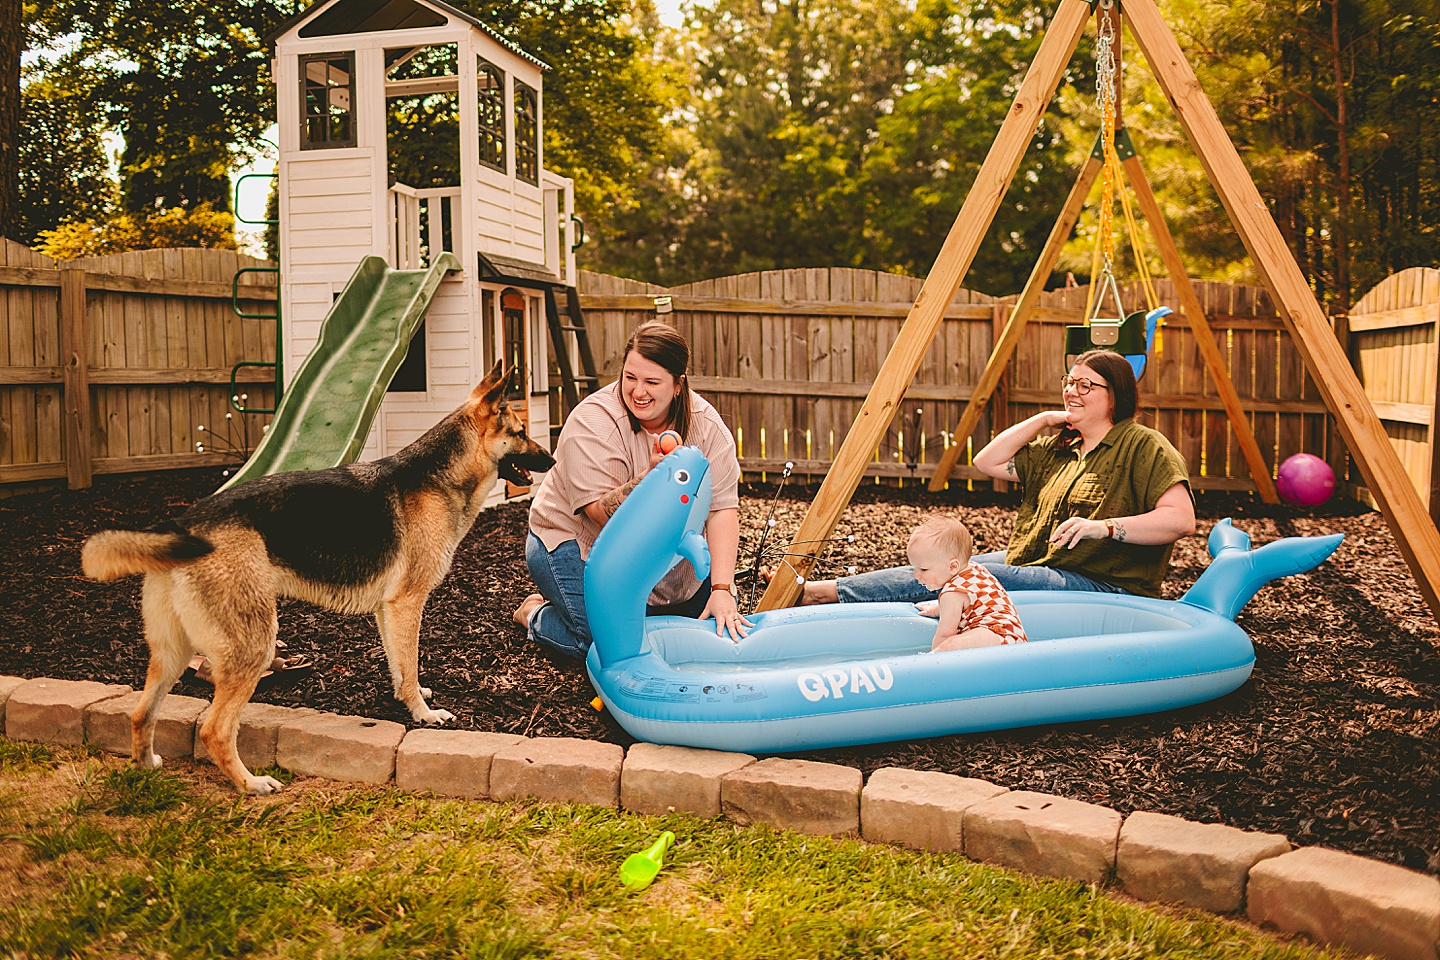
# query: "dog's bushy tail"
120,553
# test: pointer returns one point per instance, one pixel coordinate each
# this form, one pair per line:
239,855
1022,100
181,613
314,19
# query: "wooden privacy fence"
788,357
1394,333
147,340
113,364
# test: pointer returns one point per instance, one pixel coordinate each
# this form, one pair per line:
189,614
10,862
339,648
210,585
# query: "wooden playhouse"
407,128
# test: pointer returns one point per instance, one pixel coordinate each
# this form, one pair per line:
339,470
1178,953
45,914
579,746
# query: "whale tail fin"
1236,573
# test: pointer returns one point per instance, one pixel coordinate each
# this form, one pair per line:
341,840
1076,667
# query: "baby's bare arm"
952,607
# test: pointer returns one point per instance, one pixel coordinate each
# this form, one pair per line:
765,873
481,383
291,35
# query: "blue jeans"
560,623
899,583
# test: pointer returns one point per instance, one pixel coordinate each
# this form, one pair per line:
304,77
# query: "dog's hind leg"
169,652
222,726
399,622
230,614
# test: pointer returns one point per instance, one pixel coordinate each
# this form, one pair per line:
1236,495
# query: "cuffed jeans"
560,623
899,583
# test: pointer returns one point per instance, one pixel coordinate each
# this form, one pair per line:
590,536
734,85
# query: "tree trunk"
11,45
1342,159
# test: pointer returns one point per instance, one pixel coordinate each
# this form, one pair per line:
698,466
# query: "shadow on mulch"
1334,741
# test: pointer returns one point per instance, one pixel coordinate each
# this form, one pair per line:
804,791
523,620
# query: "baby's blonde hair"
948,534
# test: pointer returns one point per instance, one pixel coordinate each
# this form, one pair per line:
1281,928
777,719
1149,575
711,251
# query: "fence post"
75,358
1337,453
1433,434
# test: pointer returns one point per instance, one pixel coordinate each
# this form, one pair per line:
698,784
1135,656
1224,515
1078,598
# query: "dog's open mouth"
516,467
516,474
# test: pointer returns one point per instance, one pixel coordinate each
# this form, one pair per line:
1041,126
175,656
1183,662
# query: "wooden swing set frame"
1414,530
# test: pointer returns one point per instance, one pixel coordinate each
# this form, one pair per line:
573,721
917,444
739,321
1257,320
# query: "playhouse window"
491,82
512,316
327,100
527,134
422,125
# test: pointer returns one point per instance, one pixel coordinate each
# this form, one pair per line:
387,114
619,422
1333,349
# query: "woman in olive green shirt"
1102,502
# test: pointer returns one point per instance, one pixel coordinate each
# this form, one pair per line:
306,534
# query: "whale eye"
682,476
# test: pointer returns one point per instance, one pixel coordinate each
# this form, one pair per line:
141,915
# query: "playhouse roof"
391,14
522,273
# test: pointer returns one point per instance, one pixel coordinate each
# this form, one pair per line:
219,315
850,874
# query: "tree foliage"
819,132
931,145
184,82
837,132
177,227
63,171
1335,104
785,133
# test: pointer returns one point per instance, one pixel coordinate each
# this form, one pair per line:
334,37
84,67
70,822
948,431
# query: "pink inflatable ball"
1305,480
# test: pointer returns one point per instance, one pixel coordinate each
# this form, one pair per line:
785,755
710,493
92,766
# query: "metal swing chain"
1105,99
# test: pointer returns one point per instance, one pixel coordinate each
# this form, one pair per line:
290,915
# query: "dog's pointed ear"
491,390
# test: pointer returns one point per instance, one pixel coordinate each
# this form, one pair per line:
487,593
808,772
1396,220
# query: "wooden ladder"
568,330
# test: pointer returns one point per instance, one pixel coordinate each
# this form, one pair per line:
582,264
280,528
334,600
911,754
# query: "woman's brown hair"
1119,375
662,344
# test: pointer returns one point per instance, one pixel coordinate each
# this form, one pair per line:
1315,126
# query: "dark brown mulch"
1335,740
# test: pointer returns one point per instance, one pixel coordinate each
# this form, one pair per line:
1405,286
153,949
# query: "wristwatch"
1109,528
727,587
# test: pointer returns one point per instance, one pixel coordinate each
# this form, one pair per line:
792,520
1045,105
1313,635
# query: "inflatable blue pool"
843,674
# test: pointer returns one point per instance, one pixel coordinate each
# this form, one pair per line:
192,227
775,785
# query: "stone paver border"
1324,895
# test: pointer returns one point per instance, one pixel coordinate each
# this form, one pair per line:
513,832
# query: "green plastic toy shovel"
640,868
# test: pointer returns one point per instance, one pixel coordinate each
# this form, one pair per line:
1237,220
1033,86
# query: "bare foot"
819,591
527,609
814,591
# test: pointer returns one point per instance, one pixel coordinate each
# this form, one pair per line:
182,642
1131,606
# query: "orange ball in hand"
668,441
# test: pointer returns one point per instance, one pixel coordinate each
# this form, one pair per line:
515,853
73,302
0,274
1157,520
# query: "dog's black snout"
537,459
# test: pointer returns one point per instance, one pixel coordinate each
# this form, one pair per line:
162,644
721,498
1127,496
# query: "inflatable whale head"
656,527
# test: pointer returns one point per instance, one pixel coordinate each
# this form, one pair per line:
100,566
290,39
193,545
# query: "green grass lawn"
100,859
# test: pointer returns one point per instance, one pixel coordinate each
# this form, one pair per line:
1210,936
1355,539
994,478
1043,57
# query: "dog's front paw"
262,786
149,761
435,717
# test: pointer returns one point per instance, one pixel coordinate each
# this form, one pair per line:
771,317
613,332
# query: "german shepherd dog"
362,538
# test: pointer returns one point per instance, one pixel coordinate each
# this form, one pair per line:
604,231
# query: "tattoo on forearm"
612,500
1010,467
1119,530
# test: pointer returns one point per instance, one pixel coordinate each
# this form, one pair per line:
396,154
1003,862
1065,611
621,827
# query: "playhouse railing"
564,230
422,224
405,227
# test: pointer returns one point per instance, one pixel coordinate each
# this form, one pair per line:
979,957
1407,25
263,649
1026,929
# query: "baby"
974,610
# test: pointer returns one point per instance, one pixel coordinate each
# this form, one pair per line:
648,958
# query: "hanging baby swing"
1132,335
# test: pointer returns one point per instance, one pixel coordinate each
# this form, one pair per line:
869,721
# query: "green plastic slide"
328,408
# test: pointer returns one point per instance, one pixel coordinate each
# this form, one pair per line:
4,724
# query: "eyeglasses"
1082,385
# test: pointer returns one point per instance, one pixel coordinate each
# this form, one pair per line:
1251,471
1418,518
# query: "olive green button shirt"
1124,476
